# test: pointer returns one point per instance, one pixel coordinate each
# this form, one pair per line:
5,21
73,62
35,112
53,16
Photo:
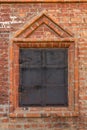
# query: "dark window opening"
43,77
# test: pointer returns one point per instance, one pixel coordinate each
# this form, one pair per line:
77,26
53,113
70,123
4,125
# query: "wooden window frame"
72,109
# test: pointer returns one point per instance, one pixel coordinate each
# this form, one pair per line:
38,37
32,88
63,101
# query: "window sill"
26,113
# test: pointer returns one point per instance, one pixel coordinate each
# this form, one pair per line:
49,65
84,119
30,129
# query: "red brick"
5,120
69,15
26,126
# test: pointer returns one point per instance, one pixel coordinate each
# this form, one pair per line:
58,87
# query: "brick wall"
12,17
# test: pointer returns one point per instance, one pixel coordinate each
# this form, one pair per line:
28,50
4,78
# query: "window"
43,77
48,71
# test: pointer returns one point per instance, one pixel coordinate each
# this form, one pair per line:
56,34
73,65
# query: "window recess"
43,77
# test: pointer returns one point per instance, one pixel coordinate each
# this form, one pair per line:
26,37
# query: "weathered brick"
69,15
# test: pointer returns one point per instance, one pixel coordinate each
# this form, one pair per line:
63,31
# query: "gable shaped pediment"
48,27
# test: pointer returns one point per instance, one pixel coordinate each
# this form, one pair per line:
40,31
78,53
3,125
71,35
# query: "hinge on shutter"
21,89
38,86
20,60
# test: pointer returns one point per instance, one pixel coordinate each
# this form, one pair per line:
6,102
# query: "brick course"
13,16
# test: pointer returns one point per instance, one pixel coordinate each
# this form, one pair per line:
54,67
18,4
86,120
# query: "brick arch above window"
62,39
